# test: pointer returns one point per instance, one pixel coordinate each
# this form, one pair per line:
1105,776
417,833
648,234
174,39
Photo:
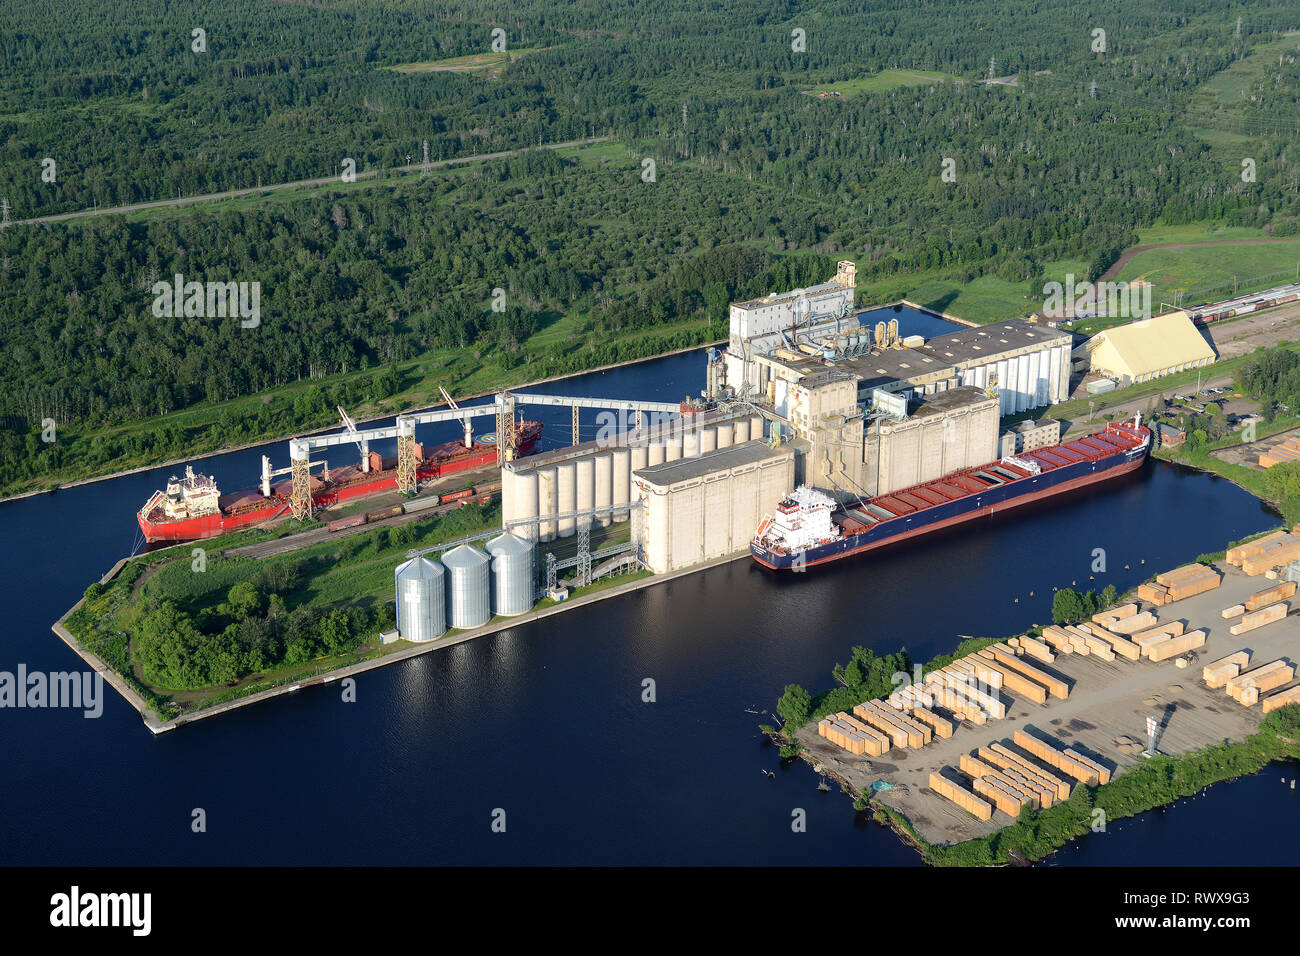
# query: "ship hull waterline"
985,504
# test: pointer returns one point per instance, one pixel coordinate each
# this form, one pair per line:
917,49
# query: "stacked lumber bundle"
1184,582
877,743
1025,765
897,736
1106,618
1013,681
965,685
1278,592
1235,556
1005,797
1283,697
1131,625
1036,649
972,804
1153,593
1120,645
1059,639
1254,619
1246,687
1079,640
1218,673
1054,686
1172,646
1017,786
1023,777
942,728
842,735
1288,450
1235,610
885,718
1067,761
1268,553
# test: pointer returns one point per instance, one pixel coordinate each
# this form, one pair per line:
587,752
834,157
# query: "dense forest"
757,185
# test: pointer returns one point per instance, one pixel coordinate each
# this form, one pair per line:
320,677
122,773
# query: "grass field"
1196,269
473,63
986,299
879,82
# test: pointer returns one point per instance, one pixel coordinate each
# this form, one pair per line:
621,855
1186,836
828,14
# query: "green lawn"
879,82
473,63
1208,272
985,299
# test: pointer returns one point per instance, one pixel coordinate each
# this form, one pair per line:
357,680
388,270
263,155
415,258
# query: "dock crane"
361,443
469,428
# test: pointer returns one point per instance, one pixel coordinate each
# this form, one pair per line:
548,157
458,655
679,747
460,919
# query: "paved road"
322,181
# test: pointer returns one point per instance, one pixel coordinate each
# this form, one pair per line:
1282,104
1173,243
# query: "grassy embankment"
337,573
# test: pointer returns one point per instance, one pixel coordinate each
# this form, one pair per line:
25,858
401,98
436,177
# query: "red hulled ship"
192,508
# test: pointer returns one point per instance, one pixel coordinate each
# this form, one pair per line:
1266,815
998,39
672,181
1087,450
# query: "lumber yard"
1201,657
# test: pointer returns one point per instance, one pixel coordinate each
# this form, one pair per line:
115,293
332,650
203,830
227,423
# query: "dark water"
546,721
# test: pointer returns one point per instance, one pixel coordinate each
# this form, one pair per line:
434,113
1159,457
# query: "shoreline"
329,428
158,726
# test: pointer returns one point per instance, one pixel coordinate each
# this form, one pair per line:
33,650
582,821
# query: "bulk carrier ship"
808,527
192,508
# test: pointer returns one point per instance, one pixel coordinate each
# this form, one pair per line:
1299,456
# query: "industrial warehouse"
804,395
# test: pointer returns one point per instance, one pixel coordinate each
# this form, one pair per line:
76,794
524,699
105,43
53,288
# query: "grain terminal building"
803,394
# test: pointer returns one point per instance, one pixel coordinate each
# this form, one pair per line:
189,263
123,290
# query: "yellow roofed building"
1146,349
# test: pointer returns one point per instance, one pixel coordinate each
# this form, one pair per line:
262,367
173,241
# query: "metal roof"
683,469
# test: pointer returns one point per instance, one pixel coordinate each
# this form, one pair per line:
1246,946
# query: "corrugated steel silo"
514,586
468,588
421,600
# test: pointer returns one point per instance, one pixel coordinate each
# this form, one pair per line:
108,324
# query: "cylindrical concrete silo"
708,439
469,601
725,431
622,486
566,496
742,431
690,442
673,446
604,486
525,502
546,503
421,600
655,453
514,582
756,428
640,456
586,496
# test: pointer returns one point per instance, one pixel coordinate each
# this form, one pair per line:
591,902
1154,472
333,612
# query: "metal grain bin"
468,589
421,600
513,577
